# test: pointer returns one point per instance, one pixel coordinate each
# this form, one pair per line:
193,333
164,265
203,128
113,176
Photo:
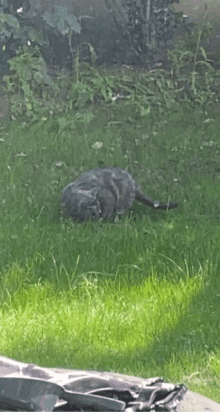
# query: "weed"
192,78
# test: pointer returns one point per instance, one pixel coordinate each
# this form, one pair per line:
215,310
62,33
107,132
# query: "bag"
29,387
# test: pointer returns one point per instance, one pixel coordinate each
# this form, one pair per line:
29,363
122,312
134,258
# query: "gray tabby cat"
103,193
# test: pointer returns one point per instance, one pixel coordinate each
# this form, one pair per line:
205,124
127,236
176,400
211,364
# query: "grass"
139,296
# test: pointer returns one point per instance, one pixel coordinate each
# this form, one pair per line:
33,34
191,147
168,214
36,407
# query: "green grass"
139,296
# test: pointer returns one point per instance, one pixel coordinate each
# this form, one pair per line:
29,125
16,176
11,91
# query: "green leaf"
60,26
10,20
49,18
144,112
61,12
203,53
47,79
36,36
73,23
7,33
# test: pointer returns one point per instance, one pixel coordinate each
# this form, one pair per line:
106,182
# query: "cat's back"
105,177
106,172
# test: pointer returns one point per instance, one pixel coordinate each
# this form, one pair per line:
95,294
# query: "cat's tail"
140,197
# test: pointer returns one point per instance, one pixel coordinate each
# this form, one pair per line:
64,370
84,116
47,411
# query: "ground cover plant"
138,296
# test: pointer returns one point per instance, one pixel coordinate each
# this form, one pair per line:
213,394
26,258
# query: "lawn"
139,296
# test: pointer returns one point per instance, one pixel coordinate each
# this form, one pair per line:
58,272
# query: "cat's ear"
89,193
93,192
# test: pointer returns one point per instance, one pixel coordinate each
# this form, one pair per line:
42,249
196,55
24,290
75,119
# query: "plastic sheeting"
29,387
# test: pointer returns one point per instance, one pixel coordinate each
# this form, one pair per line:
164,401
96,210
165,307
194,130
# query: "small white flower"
20,154
97,145
59,164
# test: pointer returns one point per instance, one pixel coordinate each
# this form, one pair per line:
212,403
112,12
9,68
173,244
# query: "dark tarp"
29,387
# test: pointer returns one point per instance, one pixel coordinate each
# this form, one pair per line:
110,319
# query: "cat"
104,193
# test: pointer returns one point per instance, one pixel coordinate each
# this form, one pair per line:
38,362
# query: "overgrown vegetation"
138,296
192,81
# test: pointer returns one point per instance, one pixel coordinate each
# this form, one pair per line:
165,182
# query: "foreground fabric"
29,387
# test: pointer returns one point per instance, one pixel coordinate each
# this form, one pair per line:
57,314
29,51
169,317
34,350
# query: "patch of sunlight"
118,319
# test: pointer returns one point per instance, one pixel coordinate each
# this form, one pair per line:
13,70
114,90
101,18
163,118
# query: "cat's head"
89,208
81,205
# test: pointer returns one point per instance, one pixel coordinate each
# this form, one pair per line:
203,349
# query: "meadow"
140,295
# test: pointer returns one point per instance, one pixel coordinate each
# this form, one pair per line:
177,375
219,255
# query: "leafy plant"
27,23
143,22
29,74
191,68
12,26
65,23
192,78
7,20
